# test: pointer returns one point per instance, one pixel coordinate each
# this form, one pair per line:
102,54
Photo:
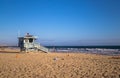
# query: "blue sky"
61,22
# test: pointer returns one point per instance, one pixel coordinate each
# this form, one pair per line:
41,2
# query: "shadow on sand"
9,52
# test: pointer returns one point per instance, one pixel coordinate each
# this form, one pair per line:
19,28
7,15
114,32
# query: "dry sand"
58,65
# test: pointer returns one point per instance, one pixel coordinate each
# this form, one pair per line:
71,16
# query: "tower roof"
28,36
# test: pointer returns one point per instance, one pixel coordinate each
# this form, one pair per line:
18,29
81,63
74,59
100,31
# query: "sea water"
105,50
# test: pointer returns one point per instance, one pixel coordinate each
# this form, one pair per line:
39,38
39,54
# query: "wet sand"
58,65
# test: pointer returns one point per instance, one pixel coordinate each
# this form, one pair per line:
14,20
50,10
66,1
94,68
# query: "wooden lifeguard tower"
28,44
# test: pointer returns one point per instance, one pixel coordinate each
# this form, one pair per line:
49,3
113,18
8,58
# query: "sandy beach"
58,65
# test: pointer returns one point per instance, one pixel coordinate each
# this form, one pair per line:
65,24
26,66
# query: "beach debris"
56,58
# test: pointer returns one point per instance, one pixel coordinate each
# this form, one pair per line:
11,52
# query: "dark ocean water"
102,47
104,50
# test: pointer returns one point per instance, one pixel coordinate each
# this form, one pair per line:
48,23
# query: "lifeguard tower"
28,44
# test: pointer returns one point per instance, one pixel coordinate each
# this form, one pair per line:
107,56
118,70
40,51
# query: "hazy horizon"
61,22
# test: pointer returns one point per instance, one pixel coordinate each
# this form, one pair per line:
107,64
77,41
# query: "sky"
61,22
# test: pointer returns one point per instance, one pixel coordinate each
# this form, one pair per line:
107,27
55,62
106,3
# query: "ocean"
104,50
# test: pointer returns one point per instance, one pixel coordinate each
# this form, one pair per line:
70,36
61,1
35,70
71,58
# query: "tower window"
30,40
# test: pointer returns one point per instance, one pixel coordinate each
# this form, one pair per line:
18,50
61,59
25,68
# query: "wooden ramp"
35,47
42,48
